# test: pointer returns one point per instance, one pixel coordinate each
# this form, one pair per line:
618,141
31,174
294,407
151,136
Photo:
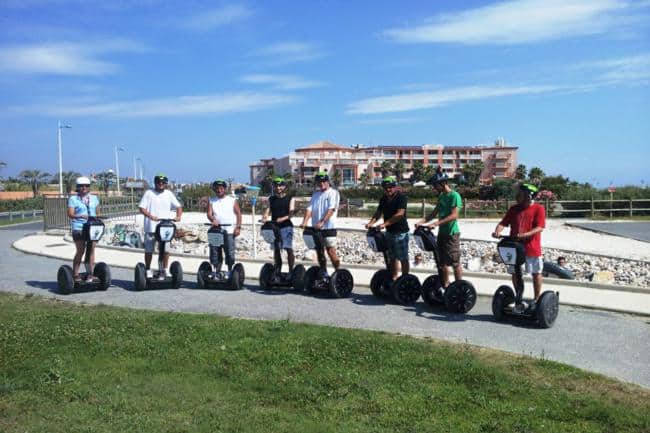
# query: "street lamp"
60,157
117,167
135,167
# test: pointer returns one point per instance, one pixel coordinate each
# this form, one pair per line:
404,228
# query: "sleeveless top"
280,208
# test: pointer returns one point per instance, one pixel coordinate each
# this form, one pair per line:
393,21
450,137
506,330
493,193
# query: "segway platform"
270,277
165,231
459,296
338,285
207,278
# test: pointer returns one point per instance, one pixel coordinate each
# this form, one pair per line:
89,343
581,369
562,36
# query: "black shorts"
77,235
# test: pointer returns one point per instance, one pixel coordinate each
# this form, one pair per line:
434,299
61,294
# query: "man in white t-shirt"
157,204
224,211
322,209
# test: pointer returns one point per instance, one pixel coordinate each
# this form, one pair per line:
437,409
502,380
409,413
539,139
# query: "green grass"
6,222
74,368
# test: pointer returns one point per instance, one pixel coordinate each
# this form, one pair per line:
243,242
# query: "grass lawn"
6,222
74,368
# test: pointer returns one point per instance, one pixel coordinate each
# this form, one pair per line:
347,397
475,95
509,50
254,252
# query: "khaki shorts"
149,242
449,249
329,238
534,265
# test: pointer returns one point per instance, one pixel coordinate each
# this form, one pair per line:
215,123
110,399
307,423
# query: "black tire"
310,276
177,274
140,279
202,274
341,284
103,273
378,282
237,271
406,289
432,292
265,275
460,297
65,280
547,309
298,278
502,297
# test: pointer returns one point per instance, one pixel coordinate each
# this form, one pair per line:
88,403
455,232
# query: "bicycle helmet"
437,178
389,181
321,176
219,182
277,181
83,180
162,178
530,189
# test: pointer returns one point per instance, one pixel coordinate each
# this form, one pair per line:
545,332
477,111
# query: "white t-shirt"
160,205
320,203
223,209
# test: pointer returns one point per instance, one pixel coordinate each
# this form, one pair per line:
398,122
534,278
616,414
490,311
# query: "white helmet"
83,180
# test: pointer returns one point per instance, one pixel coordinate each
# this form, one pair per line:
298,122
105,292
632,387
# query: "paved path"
609,343
639,231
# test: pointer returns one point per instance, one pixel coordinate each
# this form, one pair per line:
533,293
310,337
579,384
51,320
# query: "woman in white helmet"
80,207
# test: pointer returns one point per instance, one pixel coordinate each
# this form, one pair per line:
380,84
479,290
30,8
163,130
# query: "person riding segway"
527,220
225,221
321,236
156,205
459,296
394,244
86,229
278,233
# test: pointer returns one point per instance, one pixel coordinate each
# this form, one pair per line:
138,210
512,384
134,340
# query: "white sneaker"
149,273
162,275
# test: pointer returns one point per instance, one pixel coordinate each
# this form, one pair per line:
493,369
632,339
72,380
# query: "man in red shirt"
527,219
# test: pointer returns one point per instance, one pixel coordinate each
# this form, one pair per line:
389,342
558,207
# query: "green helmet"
279,181
529,189
389,181
321,176
219,182
160,177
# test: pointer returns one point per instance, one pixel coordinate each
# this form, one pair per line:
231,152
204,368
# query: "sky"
198,90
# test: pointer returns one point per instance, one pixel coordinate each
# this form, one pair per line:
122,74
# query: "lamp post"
138,159
60,156
117,167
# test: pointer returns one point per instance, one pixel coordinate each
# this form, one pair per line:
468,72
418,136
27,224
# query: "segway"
165,230
405,290
92,230
207,277
339,284
459,296
271,274
509,303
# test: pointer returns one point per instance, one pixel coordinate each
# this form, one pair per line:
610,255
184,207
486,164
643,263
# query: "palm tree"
69,180
267,182
337,177
417,172
35,178
104,179
535,175
386,168
399,168
364,179
472,172
520,172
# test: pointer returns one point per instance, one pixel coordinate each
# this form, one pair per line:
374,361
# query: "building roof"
324,145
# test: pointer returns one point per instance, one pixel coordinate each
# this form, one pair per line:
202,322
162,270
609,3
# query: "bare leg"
444,270
90,259
406,266
537,285
76,261
291,258
147,260
458,272
331,251
394,268
166,260
322,260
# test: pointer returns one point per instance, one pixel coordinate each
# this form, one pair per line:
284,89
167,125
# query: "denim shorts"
398,245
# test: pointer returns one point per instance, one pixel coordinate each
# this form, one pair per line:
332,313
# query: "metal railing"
20,215
55,210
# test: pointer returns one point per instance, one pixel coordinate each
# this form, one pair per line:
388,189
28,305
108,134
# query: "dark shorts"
77,235
449,249
398,245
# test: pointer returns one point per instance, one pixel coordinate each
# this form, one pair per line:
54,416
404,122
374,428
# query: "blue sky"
200,89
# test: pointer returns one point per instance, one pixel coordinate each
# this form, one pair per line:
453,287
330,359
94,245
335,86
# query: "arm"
179,213
292,209
395,218
211,217
539,222
146,213
428,218
266,214
375,217
497,230
452,216
325,218
237,211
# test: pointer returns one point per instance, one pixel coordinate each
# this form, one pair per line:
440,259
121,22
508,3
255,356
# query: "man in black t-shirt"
281,208
392,207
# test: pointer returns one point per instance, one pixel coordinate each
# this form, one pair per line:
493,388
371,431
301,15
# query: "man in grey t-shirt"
322,209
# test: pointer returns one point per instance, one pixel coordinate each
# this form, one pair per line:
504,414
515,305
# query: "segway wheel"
140,280
241,274
378,281
202,274
298,277
310,277
65,280
265,275
103,273
502,297
432,293
406,289
547,309
341,284
177,274
460,297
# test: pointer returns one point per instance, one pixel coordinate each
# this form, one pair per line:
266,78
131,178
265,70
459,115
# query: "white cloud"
623,70
422,100
290,52
64,58
165,107
390,120
281,82
215,18
521,21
